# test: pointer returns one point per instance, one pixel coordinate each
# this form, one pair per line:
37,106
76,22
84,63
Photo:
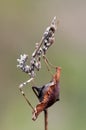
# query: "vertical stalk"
46,119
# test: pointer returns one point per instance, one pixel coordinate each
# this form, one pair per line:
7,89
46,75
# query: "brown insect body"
47,94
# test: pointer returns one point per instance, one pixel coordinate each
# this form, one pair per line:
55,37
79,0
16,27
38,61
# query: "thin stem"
46,119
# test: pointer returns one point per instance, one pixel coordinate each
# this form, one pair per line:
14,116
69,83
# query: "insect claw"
34,115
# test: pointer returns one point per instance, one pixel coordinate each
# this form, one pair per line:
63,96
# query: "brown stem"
46,119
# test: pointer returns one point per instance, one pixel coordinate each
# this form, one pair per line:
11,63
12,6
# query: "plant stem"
46,119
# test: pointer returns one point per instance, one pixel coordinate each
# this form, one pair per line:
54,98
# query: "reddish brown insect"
47,94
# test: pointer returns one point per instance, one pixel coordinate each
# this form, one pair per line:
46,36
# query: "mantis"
47,94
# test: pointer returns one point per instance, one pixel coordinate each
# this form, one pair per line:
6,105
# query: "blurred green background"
22,23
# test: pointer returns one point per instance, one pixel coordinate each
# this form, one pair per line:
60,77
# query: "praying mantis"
47,94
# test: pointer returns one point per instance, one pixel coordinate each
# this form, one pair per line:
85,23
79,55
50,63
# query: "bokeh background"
22,23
